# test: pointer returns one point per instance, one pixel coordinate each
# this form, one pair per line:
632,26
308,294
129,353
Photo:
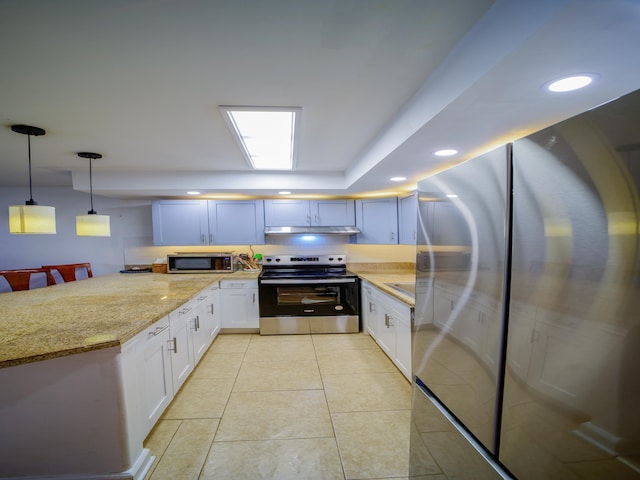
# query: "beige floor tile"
231,343
308,459
375,444
354,361
267,376
275,415
187,451
457,458
293,348
159,439
341,341
219,365
367,392
200,398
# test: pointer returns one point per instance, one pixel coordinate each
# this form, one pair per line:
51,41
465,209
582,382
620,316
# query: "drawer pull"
159,330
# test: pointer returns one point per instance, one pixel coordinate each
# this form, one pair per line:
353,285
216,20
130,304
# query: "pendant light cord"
30,201
91,186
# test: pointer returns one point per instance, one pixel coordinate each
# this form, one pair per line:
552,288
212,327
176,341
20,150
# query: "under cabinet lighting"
284,193
267,135
398,179
193,193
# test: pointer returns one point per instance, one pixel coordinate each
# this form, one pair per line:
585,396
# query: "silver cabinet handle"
254,298
197,322
211,238
202,238
175,345
371,307
159,330
184,310
212,313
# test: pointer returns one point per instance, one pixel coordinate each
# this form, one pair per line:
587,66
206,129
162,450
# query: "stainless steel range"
308,294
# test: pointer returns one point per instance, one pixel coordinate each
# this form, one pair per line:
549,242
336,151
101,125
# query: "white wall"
131,241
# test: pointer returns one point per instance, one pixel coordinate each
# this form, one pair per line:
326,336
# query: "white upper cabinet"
180,222
236,222
408,219
300,213
208,222
377,219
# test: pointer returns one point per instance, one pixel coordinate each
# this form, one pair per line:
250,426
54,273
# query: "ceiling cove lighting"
445,152
92,224
568,84
31,218
268,136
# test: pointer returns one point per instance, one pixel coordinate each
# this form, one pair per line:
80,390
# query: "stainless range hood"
340,230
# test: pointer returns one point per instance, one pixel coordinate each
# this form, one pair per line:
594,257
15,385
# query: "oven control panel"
310,260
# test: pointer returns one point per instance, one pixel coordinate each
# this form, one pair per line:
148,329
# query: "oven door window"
308,295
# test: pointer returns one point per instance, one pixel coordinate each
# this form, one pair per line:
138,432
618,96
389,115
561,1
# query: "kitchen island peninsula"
78,371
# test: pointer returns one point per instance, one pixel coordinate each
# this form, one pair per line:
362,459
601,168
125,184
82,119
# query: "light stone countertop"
92,314
380,279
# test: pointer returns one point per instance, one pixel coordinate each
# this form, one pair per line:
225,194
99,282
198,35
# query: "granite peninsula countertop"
91,314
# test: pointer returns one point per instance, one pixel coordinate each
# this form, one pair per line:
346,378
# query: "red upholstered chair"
25,279
69,272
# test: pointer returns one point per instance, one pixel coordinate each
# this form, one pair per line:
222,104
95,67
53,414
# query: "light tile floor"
287,407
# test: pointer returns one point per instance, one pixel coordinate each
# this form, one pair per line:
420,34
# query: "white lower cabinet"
388,321
154,379
205,323
181,344
369,310
169,350
239,304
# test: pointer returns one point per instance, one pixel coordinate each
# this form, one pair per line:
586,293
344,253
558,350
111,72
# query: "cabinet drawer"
250,283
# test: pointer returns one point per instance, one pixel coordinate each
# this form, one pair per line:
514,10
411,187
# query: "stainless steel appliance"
308,294
200,263
526,350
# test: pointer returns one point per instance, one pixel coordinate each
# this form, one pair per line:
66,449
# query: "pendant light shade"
31,218
92,224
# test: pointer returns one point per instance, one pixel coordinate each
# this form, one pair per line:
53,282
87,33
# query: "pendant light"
31,218
92,224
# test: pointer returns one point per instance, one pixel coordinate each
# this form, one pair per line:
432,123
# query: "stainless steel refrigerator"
526,341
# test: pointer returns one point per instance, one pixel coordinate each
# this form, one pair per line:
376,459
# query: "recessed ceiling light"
267,135
284,193
193,193
452,195
568,84
445,152
398,179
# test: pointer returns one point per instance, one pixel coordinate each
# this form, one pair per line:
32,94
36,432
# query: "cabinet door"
180,345
239,304
408,219
328,213
377,219
156,386
369,310
386,337
236,222
286,213
402,358
180,222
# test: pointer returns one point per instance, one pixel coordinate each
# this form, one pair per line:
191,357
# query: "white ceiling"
381,83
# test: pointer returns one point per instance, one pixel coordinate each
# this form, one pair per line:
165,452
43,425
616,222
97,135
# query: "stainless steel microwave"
200,263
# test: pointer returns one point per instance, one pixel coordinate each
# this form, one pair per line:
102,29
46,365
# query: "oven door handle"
292,281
